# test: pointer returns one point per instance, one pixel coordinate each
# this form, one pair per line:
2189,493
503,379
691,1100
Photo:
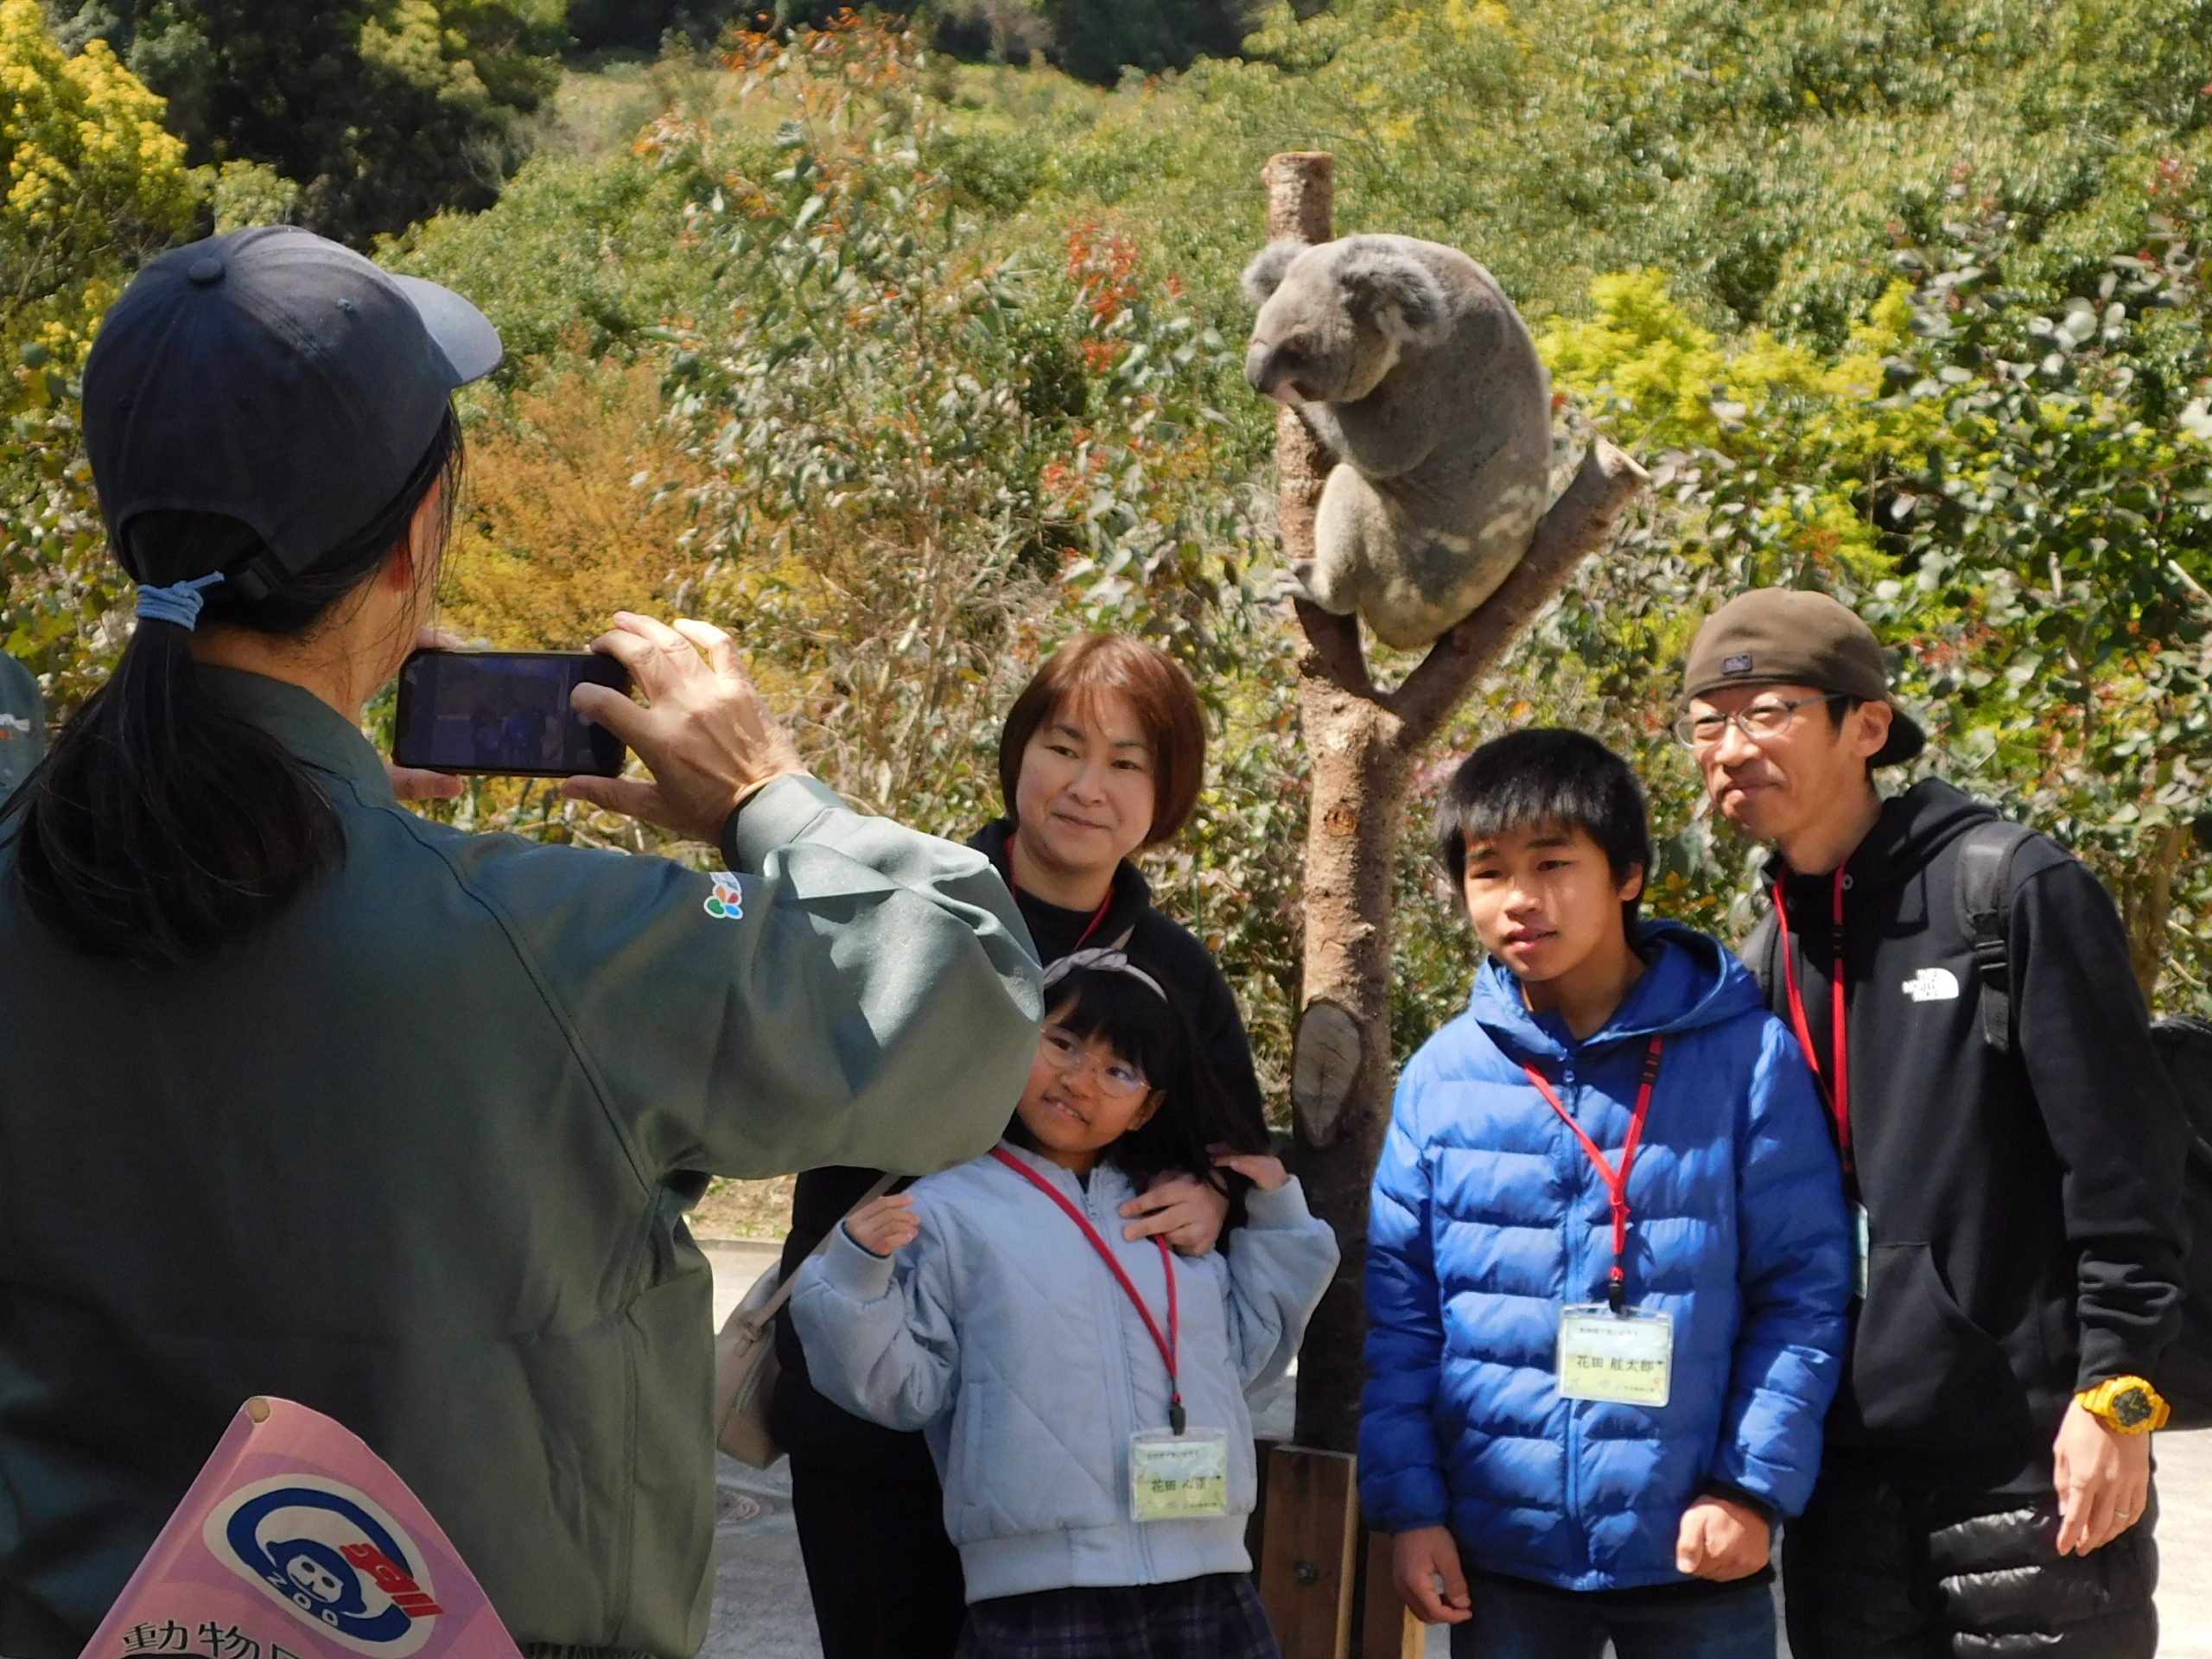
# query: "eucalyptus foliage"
1898,298
932,462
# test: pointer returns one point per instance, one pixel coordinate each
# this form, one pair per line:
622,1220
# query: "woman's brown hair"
1159,692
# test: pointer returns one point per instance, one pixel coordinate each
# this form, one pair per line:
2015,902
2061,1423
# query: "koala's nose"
1258,362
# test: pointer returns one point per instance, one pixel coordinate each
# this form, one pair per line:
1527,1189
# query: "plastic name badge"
1627,1358
1179,1476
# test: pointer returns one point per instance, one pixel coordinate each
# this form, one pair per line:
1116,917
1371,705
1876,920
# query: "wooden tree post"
1365,743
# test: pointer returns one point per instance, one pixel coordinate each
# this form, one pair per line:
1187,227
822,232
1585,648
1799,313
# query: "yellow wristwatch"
2126,1405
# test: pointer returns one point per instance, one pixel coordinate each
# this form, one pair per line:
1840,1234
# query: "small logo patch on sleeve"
726,902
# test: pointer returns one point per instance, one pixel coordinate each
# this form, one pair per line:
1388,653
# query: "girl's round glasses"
1064,1050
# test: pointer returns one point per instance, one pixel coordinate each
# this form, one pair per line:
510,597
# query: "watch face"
2131,1407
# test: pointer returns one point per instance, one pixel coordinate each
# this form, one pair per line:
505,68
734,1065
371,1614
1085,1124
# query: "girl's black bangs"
1120,1011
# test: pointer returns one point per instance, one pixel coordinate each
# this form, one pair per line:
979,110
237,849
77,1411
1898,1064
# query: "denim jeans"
1512,1621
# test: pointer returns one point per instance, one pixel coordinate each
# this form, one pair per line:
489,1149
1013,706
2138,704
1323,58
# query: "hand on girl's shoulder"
1187,1212
1263,1170
885,1225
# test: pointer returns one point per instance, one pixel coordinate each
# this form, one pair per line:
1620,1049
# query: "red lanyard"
1615,1180
1105,904
1839,1094
1165,1343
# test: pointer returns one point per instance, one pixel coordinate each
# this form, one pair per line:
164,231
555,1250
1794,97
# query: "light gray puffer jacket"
1001,1334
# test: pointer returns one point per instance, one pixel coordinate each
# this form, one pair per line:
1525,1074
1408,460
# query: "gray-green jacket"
415,1152
22,724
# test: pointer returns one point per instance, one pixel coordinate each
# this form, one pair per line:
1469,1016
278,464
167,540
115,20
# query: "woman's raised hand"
1263,1171
885,1225
702,731
1187,1212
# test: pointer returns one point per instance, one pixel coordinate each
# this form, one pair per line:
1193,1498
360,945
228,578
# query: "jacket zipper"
1129,1412
1577,1195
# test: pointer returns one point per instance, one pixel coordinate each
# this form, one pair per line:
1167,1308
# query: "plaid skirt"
1218,1616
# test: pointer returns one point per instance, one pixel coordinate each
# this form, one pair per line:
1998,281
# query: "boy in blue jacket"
1608,1263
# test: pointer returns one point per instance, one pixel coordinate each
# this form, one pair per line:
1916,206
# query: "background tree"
93,184
1096,40
382,112
642,24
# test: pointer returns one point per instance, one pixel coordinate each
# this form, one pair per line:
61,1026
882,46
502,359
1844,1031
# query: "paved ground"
760,1605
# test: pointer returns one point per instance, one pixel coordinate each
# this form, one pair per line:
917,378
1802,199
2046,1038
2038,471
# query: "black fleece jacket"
2024,1208
808,1426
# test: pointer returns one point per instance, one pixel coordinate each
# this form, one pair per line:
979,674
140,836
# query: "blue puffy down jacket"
1488,1217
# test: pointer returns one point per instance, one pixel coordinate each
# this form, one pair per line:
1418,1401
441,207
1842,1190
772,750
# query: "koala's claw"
1303,573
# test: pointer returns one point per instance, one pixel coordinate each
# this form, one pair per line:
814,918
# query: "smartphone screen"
505,712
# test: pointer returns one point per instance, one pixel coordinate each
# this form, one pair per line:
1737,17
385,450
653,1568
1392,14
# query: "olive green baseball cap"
1786,636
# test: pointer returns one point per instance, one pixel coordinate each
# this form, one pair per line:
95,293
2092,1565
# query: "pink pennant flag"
297,1542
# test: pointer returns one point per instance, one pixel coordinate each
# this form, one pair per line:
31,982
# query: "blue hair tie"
178,602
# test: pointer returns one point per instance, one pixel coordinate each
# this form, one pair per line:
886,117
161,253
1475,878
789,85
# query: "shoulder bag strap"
769,1308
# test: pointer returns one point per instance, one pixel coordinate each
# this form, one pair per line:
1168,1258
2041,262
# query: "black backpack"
2183,1044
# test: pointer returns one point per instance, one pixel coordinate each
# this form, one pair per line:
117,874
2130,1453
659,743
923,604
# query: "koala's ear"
1404,297
1264,275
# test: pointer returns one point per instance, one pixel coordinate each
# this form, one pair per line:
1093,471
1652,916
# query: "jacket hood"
1912,828
1689,981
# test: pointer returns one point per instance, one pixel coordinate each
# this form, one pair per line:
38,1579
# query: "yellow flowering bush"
92,181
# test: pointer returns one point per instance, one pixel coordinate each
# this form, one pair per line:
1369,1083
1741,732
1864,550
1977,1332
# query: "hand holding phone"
507,713
702,731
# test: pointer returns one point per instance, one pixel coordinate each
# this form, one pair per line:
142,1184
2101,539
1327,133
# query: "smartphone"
504,712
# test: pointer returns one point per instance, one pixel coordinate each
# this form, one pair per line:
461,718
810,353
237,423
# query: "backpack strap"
1984,892
1757,953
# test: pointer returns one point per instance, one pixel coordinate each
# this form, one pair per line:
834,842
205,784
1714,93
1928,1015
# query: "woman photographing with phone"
1101,754
309,1096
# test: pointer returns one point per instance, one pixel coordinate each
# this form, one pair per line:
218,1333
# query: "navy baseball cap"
276,377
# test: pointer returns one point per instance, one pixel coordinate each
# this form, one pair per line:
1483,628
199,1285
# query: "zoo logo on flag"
332,1557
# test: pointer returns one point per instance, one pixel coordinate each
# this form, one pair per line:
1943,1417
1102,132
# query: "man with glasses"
2014,1176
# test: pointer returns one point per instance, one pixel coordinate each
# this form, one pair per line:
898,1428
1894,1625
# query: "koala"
1410,365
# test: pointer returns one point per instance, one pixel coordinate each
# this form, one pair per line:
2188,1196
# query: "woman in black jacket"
1101,754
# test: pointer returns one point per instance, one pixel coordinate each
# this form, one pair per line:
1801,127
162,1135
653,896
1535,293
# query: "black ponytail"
160,827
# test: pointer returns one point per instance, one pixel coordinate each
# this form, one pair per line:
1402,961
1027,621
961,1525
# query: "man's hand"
1187,1211
885,1225
1722,1540
2103,1480
1425,1567
703,732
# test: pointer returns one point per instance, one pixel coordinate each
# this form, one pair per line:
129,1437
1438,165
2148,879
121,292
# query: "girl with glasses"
1083,1393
